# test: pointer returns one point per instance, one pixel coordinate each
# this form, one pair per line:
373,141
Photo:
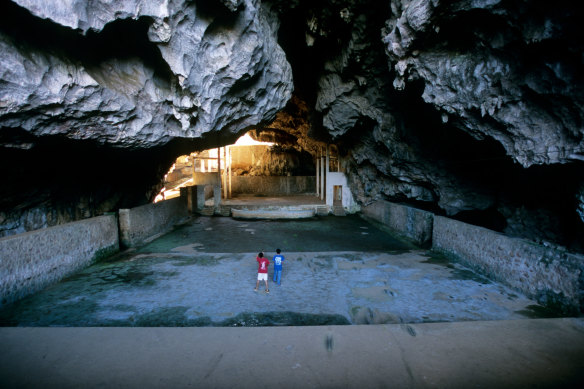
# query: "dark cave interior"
83,178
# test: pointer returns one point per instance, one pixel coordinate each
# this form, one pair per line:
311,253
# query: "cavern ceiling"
471,109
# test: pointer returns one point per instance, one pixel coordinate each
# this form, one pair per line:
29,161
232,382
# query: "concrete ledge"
280,213
547,353
550,276
409,222
138,225
35,259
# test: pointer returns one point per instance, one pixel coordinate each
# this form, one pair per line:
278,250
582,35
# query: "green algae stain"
465,274
104,253
438,259
177,317
271,319
540,312
456,272
48,313
169,317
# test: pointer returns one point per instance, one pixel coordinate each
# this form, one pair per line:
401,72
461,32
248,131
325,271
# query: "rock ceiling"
472,109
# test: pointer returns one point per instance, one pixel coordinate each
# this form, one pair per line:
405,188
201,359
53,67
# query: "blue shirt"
278,259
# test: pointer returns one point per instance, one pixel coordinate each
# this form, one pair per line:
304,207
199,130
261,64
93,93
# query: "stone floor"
338,270
114,325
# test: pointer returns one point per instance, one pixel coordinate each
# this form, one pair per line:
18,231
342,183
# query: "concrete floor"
338,270
437,324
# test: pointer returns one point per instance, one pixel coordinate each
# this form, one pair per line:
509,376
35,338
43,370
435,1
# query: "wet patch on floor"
270,319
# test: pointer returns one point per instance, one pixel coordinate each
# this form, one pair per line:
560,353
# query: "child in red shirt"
263,264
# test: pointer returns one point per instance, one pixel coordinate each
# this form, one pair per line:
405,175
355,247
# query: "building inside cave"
250,171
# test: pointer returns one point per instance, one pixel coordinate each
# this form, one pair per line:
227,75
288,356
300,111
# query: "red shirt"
263,264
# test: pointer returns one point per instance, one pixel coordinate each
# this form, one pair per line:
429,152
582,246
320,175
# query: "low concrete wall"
211,178
273,185
409,222
551,276
140,224
36,259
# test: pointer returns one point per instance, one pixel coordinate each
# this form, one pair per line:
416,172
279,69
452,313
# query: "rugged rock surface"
186,70
479,115
503,70
472,109
135,75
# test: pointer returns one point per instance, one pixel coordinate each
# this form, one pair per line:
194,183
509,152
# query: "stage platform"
281,207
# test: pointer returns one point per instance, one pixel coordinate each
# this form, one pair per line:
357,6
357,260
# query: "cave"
446,117
399,137
402,136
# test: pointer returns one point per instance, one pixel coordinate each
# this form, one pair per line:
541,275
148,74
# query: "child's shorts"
262,276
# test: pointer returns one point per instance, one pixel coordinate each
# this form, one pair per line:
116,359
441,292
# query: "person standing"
278,259
263,264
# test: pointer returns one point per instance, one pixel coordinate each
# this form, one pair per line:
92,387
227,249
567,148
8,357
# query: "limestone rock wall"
504,71
471,109
187,70
136,82
468,109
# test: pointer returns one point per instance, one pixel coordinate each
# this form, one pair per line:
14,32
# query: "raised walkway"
537,353
282,207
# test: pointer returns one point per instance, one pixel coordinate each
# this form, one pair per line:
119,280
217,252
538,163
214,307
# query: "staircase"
225,210
208,210
338,210
322,210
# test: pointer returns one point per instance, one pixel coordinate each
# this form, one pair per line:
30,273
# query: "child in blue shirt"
278,259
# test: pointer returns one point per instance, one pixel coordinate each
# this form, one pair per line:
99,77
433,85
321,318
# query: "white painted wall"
335,178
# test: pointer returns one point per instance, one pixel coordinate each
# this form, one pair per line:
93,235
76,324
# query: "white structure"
332,186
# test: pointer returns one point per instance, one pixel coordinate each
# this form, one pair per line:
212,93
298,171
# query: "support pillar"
322,177
317,176
326,172
216,196
224,181
194,169
200,196
230,172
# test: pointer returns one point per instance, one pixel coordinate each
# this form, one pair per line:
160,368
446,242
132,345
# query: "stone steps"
272,213
338,210
207,211
322,210
225,210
